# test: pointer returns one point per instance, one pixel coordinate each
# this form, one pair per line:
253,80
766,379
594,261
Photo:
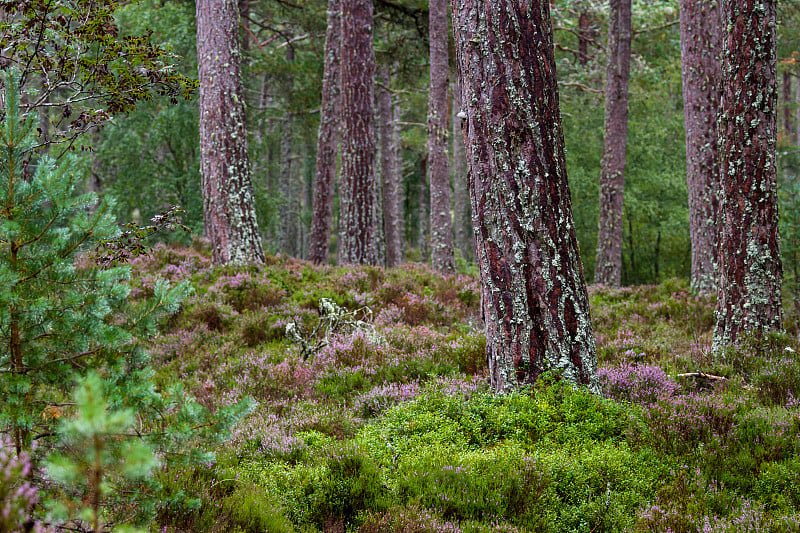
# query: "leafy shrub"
352,484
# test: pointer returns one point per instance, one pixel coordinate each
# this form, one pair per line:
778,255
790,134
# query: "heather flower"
642,384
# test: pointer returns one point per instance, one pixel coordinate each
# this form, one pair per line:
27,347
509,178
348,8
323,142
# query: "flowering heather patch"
640,383
378,399
18,495
680,423
412,519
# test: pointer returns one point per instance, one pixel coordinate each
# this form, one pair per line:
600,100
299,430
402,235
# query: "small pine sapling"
66,322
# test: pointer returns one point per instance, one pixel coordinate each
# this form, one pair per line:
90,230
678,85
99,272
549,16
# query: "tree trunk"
389,174
534,298
788,104
397,150
441,224
749,296
608,268
357,220
327,140
701,46
228,210
586,34
462,221
290,190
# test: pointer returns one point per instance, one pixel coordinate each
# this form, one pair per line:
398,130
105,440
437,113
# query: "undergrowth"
396,432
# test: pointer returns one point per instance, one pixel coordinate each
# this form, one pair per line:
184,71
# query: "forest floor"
388,426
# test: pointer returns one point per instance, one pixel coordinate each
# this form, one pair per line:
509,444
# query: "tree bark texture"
357,216
389,175
749,296
701,49
462,219
608,268
327,140
228,203
438,129
534,298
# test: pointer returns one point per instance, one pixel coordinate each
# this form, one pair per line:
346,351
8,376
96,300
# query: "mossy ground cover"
393,429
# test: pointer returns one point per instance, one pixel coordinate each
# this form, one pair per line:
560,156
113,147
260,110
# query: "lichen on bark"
749,295
534,298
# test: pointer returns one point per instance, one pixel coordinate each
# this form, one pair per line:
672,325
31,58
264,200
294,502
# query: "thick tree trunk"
534,299
608,268
327,140
462,221
749,296
701,48
357,220
389,173
228,210
441,224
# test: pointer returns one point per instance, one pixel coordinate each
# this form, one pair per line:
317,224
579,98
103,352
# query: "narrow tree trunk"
535,303
388,171
228,210
788,104
424,209
608,268
462,221
397,150
290,191
586,34
441,224
701,47
749,296
327,140
357,221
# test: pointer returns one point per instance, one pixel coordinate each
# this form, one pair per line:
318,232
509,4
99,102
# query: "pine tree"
534,297
63,318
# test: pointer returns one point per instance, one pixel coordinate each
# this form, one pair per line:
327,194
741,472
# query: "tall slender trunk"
357,220
749,295
389,173
586,34
228,204
788,106
290,190
397,150
441,224
462,221
701,47
608,267
534,302
327,140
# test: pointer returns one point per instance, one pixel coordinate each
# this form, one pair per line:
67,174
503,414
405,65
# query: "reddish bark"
534,300
357,193
228,210
438,128
390,176
701,45
749,295
608,267
327,140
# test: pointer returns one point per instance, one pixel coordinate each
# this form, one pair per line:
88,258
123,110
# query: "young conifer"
63,320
